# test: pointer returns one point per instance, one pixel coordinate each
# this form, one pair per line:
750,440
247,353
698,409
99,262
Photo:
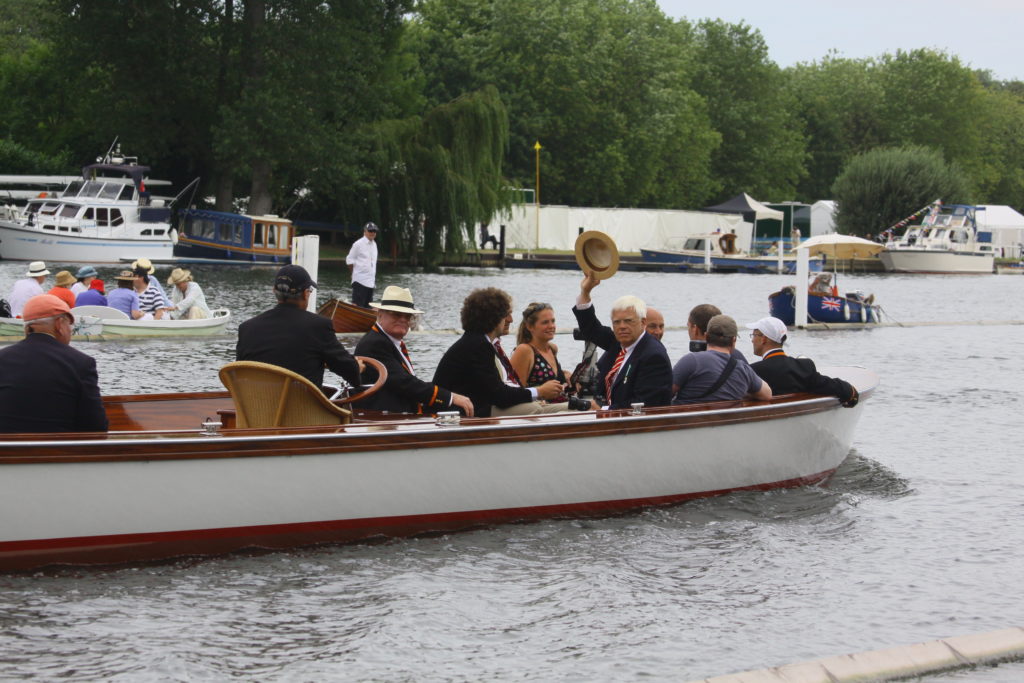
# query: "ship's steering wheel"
364,390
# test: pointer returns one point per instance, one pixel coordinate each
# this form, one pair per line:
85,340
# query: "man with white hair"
46,386
788,375
635,367
31,285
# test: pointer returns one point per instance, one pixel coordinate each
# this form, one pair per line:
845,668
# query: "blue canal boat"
218,235
725,257
853,307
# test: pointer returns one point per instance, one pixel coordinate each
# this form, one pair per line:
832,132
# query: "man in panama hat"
31,285
403,392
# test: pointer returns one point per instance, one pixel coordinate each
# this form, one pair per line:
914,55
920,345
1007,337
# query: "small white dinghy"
115,323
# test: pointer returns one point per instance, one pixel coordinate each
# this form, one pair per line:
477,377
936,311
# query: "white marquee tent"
1007,228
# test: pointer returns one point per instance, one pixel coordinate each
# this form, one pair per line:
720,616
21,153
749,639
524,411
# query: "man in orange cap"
45,385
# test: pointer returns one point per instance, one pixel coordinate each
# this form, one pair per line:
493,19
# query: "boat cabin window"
32,208
49,208
257,234
110,190
115,217
127,193
72,189
102,217
271,236
70,210
694,243
236,234
91,189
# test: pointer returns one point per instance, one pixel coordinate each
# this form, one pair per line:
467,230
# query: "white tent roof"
995,217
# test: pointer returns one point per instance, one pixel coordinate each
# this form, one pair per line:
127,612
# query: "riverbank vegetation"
422,115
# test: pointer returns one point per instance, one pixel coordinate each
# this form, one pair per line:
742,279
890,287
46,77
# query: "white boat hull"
168,328
935,261
21,243
130,497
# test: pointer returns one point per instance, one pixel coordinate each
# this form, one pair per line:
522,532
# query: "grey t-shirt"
695,373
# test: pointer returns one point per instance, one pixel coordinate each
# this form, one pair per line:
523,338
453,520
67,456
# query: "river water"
918,536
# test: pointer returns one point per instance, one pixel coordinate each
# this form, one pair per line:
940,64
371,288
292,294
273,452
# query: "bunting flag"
932,209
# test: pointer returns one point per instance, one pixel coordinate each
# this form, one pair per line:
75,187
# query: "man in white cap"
403,392
788,375
28,287
46,386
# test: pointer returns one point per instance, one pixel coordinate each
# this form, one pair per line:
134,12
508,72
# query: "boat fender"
846,310
174,236
863,313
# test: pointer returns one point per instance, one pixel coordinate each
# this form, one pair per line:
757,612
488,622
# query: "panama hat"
398,299
37,268
596,252
126,275
144,263
179,275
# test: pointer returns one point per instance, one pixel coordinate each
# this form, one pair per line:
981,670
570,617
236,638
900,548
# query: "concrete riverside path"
947,654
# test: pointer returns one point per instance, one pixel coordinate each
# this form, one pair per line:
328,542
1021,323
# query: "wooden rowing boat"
348,317
160,484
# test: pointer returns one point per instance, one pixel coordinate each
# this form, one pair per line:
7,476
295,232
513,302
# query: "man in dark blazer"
45,385
788,375
403,392
477,366
293,338
644,373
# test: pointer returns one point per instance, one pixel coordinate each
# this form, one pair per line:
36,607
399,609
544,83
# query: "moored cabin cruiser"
947,241
106,216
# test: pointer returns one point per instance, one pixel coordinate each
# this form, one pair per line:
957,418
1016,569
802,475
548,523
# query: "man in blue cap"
291,337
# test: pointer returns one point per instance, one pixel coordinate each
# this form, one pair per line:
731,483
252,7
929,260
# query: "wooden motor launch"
162,484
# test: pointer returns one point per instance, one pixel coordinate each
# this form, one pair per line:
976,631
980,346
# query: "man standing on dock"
362,264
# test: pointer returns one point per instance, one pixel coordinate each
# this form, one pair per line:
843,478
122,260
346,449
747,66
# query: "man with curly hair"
476,364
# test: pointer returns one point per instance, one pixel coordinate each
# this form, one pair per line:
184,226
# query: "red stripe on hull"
147,547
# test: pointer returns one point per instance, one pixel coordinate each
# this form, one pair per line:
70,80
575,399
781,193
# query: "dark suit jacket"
403,392
296,340
787,375
645,377
468,367
48,387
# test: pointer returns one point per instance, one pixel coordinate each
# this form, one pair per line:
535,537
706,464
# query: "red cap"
97,284
44,306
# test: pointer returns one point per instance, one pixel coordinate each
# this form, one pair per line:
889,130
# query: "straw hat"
398,299
596,252
144,263
125,275
65,279
179,275
37,268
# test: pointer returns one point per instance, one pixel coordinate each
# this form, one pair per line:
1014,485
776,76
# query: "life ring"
863,313
846,310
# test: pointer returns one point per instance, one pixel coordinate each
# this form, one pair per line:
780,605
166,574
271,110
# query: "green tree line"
422,115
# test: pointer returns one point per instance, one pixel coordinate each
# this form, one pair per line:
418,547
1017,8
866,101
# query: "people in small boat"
84,276
655,323
62,287
152,296
94,296
291,337
821,285
715,374
477,366
634,367
788,375
187,299
403,392
26,288
124,298
535,358
46,385
362,265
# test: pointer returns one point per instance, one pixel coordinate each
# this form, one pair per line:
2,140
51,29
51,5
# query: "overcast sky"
984,34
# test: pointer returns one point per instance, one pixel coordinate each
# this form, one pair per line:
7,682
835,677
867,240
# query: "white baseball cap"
773,328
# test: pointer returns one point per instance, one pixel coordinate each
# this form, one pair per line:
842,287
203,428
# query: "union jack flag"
830,303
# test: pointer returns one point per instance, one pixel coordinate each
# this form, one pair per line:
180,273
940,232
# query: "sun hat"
144,263
723,326
65,279
37,268
773,328
98,285
179,275
596,252
44,306
86,271
293,280
125,275
398,299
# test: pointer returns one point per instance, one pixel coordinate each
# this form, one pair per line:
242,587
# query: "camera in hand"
577,335
577,403
698,345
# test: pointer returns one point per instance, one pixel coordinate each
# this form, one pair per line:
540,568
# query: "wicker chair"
270,396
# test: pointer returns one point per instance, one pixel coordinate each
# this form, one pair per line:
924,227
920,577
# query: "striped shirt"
153,297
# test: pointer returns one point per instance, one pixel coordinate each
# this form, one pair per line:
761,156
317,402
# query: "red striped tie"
405,352
609,379
509,370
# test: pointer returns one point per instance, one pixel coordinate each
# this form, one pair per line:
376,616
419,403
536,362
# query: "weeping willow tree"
438,175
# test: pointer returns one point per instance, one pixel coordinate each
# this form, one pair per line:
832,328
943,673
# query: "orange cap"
44,306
